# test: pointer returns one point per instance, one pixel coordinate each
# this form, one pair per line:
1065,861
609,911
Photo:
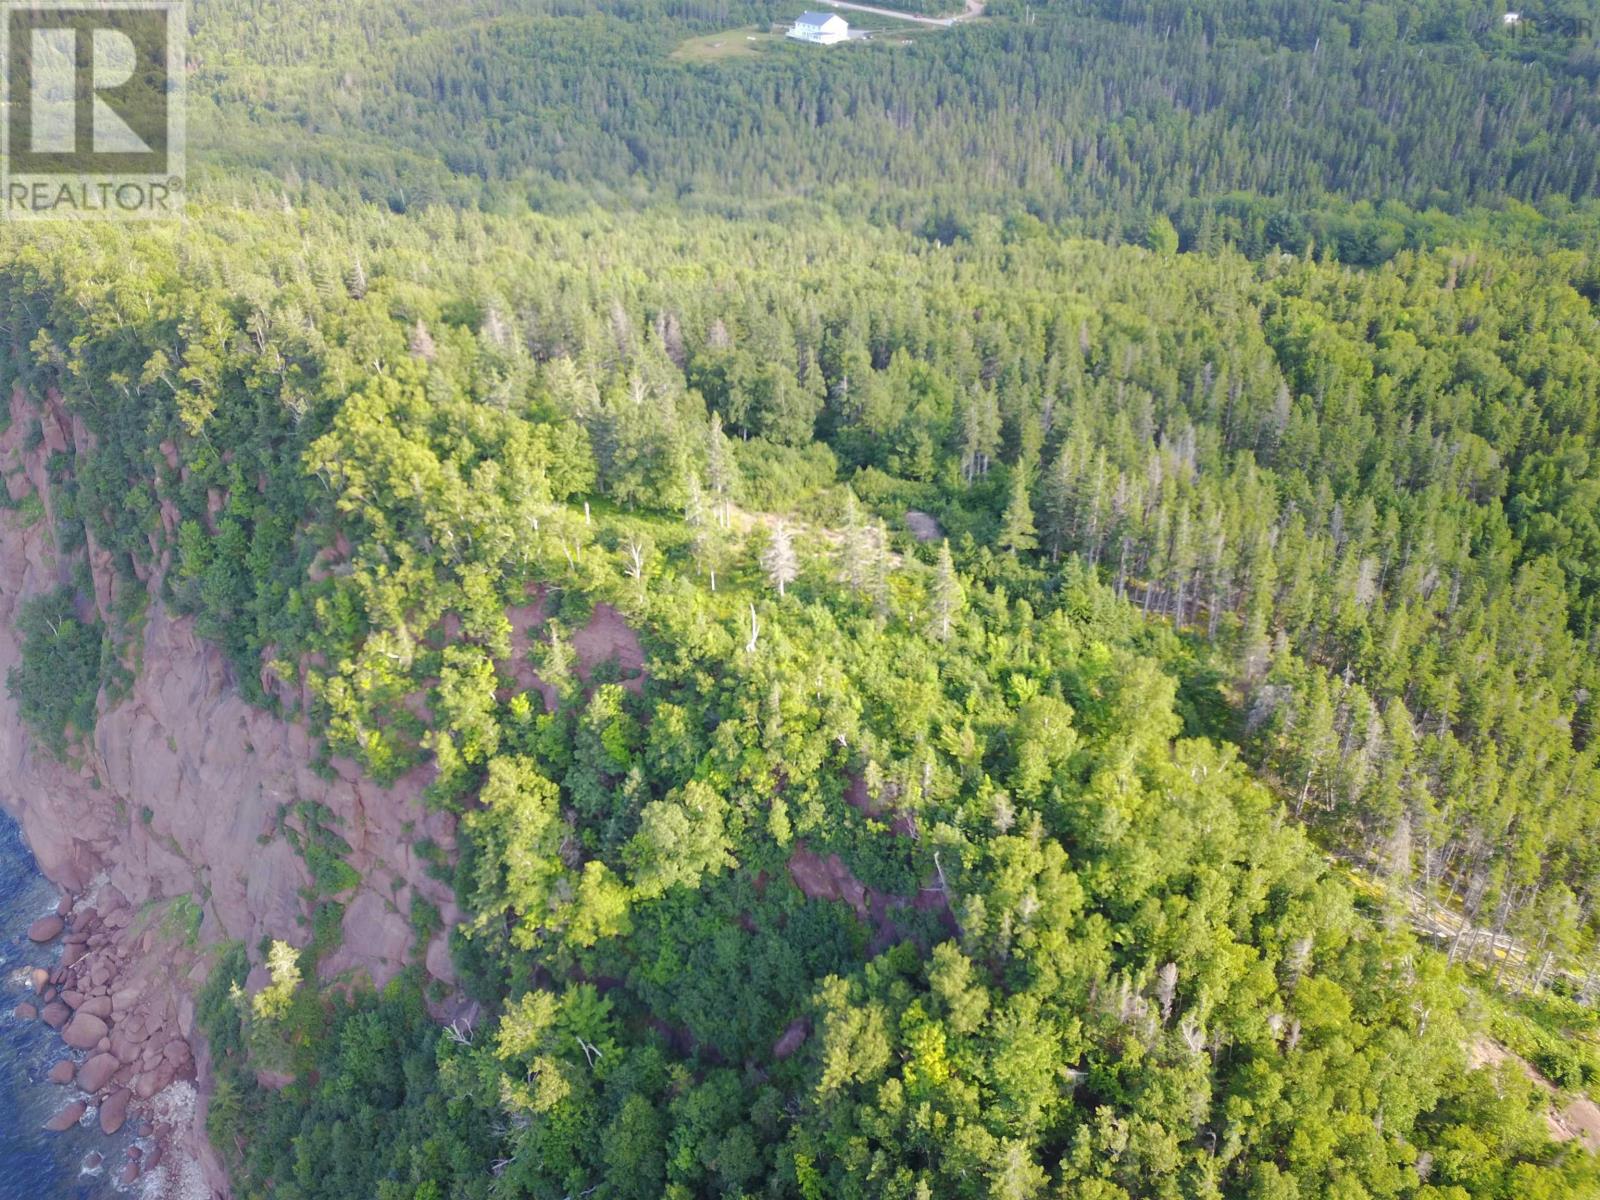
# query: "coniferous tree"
1016,524
719,468
878,567
779,559
356,280
854,545
947,597
980,433
705,540
1056,504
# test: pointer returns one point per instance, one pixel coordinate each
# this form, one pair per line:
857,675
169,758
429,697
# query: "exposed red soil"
829,878
328,561
526,622
417,702
793,1038
608,637
1579,1120
900,823
450,627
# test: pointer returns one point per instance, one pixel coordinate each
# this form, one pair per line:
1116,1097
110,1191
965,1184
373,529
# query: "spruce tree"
719,467
854,548
1016,525
947,594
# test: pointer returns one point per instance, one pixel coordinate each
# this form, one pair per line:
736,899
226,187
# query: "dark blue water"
35,1165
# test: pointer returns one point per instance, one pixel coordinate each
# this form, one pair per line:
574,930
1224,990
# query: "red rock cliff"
183,788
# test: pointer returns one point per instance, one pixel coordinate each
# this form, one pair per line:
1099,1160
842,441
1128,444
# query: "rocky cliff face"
184,788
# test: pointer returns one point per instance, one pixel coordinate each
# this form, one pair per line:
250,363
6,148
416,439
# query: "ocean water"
35,1165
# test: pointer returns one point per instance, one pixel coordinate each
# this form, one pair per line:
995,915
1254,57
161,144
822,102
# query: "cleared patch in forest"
749,42
752,41
1577,1119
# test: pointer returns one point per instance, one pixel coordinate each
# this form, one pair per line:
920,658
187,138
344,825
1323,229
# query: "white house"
823,28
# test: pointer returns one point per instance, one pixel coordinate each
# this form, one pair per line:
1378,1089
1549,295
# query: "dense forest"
1356,127
1095,515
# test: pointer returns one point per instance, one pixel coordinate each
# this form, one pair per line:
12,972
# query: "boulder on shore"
46,929
55,1014
63,1072
114,1112
40,978
97,1072
84,1031
27,1012
67,1117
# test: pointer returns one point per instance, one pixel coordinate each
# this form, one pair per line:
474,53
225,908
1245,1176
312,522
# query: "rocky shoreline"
119,997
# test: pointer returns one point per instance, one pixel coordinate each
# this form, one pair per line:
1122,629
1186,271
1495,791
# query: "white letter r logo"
115,61
55,97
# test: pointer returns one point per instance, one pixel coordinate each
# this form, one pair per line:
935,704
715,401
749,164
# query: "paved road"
974,9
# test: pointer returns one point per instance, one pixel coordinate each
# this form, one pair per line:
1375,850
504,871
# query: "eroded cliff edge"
186,789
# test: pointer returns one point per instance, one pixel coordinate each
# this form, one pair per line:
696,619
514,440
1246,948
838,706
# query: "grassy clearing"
752,41
748,42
